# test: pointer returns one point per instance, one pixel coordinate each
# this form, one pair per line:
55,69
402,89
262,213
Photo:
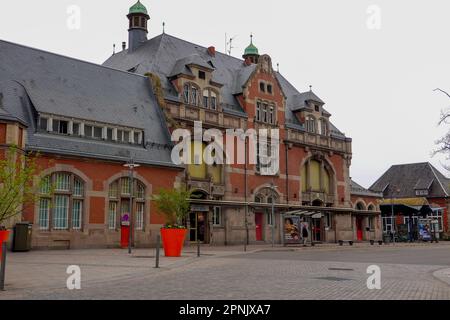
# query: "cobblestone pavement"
262,273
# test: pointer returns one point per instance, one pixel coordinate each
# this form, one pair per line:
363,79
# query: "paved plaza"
419,271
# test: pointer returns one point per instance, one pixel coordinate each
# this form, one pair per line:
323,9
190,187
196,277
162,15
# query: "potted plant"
17,190
174,205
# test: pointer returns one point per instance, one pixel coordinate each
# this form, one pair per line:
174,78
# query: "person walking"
304,235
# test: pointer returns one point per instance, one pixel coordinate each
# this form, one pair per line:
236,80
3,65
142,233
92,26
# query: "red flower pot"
173,240
4,236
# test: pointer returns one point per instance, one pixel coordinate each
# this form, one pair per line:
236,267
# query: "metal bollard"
3,267
158,245
198,248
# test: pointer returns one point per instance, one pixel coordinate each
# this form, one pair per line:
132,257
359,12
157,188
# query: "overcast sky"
374,63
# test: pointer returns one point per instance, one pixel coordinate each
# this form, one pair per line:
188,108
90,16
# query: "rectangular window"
88,131
258,111
126,136
61,213
98,132
205,101
194,96
139,192
272,115
78,188
213,103
77,212
60,126
139,224
114,190
262,87
112,216
137,139
45,185
44,213
269,218
269,88
371,223
186,93
264,113
76,129
109,134
62,182
125,186
217,216
202,75
43,122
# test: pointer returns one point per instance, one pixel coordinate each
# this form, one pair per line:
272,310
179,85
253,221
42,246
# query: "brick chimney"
212,51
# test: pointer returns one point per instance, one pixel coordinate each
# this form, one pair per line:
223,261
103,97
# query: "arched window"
360,206
316,176
371,207
310,124
61,209
119,203
191,94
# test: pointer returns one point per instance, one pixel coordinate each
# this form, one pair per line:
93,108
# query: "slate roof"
357,189
162,55
34,81
410,177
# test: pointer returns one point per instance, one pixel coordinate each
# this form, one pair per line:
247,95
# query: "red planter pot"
173,240
4,236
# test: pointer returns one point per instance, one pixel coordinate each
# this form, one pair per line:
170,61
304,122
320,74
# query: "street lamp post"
131,166
396,189
273,187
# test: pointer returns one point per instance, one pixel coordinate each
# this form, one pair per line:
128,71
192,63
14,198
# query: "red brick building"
88,120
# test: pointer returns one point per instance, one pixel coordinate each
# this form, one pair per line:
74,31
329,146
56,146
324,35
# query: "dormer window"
310,124
317,108
60,126
209,99
202,75
323,127
422,192
190,94
43,123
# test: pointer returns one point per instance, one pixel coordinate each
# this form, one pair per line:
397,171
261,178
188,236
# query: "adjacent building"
411,192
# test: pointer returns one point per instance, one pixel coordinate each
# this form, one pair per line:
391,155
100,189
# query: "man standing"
304,234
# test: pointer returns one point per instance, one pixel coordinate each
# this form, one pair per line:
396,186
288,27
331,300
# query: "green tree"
174,205
19,186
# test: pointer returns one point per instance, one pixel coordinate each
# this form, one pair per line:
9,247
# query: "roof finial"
251,38
114,48
164,27
278,67
310,88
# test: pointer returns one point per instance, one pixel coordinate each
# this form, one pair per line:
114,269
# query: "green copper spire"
138,8
251,49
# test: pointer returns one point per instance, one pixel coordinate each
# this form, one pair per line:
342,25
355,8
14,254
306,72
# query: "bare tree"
444,142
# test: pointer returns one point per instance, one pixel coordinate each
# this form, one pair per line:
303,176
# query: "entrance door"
259,226
359,228
198,226
317,229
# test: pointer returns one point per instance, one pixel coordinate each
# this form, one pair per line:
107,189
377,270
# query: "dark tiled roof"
34,81
402,181
357,189
162,55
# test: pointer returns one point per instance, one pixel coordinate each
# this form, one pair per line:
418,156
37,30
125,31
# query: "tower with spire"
137,31
251,53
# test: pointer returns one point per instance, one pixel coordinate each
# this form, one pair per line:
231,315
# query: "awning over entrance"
406,205
303,213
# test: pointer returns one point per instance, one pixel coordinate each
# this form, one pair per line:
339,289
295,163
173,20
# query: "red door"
359,228
124,236
259,226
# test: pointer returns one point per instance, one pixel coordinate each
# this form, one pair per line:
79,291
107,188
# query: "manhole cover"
333,279
340,269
